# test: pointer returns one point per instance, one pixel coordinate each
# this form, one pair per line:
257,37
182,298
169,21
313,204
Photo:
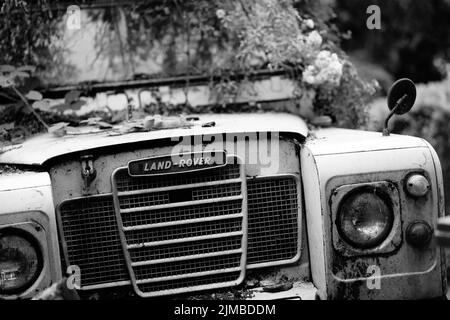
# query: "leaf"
72,96
7,68
119,116
30,69
77,105
18,140
59,125
19,134
58,129
131,127
61,106
7,126
104,125
34,95
6,82
43,105
91,121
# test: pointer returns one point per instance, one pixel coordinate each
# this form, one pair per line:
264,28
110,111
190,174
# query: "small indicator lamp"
418,234
417,185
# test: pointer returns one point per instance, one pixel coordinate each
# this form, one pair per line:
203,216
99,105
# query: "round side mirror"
401,96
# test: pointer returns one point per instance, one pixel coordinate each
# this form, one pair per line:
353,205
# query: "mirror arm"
386,122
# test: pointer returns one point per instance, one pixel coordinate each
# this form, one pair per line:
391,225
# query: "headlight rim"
387,230
35,244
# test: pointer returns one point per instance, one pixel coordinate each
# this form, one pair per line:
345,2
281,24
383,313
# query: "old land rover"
252,205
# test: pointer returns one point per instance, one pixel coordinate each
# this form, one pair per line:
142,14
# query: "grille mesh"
92,241
272,219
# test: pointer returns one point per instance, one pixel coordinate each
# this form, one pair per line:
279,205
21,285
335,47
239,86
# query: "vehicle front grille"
181,232
174,217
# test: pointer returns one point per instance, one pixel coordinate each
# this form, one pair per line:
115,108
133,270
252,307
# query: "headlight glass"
20,261
365,218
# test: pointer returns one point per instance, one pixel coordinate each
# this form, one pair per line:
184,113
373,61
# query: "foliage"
430,122
428,119
26,102
414,39
12,78
274,34
71,102
27,34
217,38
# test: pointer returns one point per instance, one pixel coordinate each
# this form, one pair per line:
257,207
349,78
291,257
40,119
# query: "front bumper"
299,291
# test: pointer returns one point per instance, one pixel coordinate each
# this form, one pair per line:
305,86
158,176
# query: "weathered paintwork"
406,272
39,149
330,158
336,141
27,203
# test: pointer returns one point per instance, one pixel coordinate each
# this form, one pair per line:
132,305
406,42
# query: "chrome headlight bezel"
28,249
389,241
352,211
35,224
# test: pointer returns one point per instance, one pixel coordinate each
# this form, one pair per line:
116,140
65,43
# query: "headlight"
365,218
20,260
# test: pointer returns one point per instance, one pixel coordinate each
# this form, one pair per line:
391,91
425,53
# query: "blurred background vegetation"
414,42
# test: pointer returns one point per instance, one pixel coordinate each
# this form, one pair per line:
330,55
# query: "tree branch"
24,100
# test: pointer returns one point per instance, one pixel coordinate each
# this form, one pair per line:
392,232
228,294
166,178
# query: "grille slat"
184,231
182,213
179,204
185,258
187,276
178,187
182,240
187,248
182,222
200,282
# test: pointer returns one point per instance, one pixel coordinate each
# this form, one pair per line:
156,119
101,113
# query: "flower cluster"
274,34
326,69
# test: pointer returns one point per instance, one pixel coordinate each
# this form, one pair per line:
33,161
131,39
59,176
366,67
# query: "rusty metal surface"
406,272
299,291
67,180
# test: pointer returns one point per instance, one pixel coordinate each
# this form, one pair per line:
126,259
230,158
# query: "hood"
337,141
39,149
